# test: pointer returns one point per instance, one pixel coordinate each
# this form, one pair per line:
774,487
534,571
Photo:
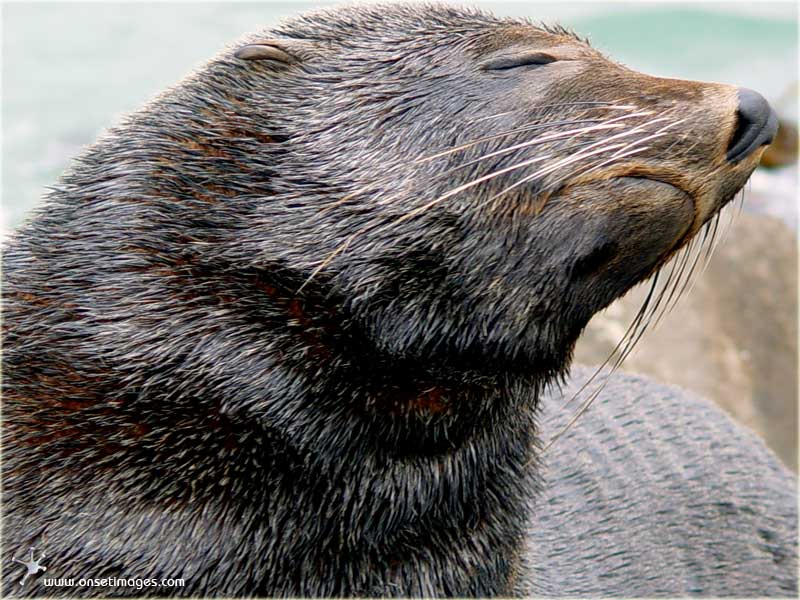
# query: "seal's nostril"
756,125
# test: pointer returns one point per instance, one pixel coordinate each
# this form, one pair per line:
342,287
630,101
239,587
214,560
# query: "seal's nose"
756,125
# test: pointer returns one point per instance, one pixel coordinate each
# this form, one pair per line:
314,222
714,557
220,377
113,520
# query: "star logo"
31,565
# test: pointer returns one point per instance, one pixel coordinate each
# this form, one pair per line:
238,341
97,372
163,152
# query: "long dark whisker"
729,226
678,264
636,330
653,309
687,284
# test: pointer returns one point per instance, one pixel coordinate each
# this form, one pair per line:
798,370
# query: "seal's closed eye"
526,59
264,51
283,50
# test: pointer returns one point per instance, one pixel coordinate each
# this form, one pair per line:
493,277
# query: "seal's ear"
287,51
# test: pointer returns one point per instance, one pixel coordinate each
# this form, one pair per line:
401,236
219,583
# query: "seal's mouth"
654,181
662,183
659,187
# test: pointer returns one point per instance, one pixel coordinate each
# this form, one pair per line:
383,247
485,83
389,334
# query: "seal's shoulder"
654,490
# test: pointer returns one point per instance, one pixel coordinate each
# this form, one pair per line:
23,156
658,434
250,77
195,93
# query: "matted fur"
271,337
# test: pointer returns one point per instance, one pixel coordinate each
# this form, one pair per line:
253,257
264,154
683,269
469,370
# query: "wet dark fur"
188,395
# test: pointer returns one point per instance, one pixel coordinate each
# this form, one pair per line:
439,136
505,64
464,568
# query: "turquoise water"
72,69
749,51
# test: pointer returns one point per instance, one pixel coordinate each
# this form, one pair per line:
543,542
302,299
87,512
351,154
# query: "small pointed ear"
287,51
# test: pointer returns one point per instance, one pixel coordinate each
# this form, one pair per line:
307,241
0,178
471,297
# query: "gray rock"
733,339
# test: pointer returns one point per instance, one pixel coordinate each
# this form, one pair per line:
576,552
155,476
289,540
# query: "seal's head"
480,187
457,188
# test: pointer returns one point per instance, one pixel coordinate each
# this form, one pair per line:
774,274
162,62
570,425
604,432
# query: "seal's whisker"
687,252
637,129
468,185
616,156
555,184
677,266
729,226
712,246
391,177
535,141
597,104
527,127
659,132
611,124
528,143
713,243
571,159
633,334
622,342
487,138
655,135
529,162
680,139
422,209
627,150
587,403
558,165
582,154
653,309
563,162
714,227
643,323
687,284
621,153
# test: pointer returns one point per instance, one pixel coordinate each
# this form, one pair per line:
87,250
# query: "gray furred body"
655,492
284,331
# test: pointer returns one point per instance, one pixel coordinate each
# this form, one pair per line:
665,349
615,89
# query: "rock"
783,150
733,338
774,192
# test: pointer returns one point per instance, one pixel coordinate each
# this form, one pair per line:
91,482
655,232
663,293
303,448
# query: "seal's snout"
756,125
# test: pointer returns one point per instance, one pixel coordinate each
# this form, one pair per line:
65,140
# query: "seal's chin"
621,230
660,194
658,190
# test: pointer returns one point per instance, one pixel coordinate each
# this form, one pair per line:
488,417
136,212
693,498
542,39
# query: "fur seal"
286,330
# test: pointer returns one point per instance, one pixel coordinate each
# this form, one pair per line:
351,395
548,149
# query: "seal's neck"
387,506
381,475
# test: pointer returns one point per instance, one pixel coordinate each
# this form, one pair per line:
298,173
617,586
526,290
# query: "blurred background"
70,70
